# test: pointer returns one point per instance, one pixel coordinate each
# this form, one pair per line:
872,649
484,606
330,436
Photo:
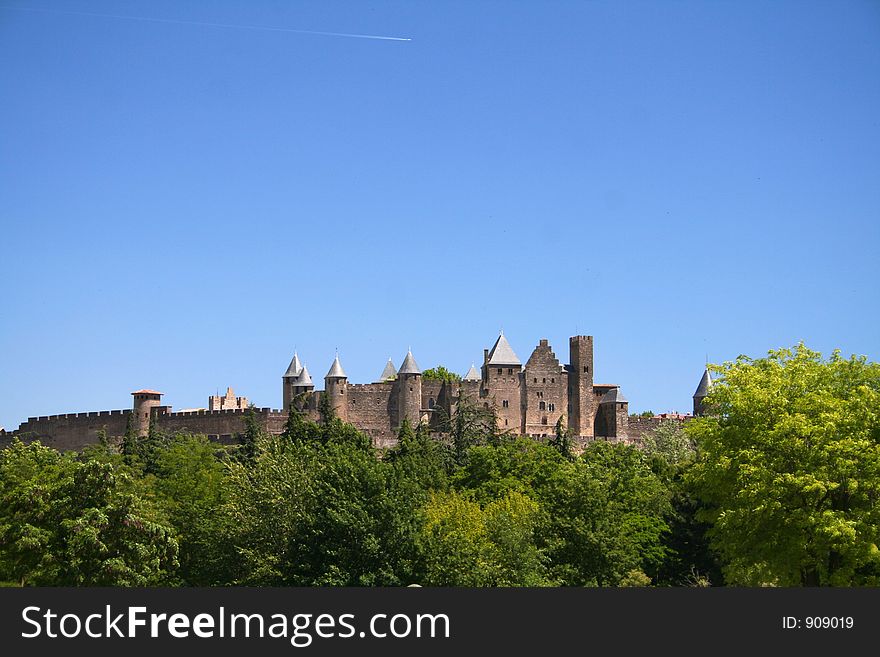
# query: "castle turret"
144,401
335,385
287,379
389,373
701,393
581,398
472,374
409,391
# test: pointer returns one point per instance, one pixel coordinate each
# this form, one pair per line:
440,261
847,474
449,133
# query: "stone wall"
370,409
73,431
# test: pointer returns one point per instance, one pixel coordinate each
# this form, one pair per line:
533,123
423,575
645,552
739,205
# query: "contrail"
264,28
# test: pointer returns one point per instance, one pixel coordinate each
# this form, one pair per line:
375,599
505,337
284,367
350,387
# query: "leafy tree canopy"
789,468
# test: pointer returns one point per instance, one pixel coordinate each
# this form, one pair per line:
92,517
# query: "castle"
527,399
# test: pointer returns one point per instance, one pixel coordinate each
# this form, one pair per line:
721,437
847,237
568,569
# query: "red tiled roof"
147,392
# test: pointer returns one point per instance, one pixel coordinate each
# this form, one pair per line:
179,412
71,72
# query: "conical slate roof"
705,384
409,365
336,370
502,353
389,373
613,396
303,379
294,368
472,374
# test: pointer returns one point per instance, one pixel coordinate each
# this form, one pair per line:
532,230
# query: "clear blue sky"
182,205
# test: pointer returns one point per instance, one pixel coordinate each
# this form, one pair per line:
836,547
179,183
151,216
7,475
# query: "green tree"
189,484
65,522
440,373
670,443
317,514
561,441
607,518
789,468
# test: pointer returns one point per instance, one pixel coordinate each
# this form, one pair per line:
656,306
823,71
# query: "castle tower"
143,403
502,378
580,384
335,385
409,391
613,418
287,379
701,393
389,373
302,384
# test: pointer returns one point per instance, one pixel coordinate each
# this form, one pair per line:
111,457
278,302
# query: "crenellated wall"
73,431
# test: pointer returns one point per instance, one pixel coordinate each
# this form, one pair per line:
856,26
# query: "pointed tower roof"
613,396
294,368
705,384
502,353
389,373
472,374
336,370
304,379
409,365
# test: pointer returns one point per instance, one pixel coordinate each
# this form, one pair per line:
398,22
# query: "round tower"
143,404
287,380
409,391
335,385
701,393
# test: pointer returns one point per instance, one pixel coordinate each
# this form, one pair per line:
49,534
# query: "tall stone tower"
502,380
580,382
409,391
144,402
335,385
701,393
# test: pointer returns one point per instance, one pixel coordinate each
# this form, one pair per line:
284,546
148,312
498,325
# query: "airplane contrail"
204,24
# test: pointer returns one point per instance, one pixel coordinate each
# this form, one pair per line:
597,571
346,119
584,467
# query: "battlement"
224,411
383,385
74,416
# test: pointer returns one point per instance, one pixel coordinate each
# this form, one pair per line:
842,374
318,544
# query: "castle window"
586,369
505,403
505,423
552,380
510,370
536,379
543,380
500,370
431,403
544,420
542,406
551,407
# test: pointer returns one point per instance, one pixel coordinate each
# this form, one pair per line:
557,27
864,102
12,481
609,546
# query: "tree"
561,441
189,484
463,544
469,425
440,373
670,442
607,518
65,522
789,469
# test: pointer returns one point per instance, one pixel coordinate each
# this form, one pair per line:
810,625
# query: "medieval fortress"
527,399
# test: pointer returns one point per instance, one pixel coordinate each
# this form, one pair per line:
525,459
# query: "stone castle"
527,399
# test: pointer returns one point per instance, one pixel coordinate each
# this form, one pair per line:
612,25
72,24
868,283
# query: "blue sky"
183,205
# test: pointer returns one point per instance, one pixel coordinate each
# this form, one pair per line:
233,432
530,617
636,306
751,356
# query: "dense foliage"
779,486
